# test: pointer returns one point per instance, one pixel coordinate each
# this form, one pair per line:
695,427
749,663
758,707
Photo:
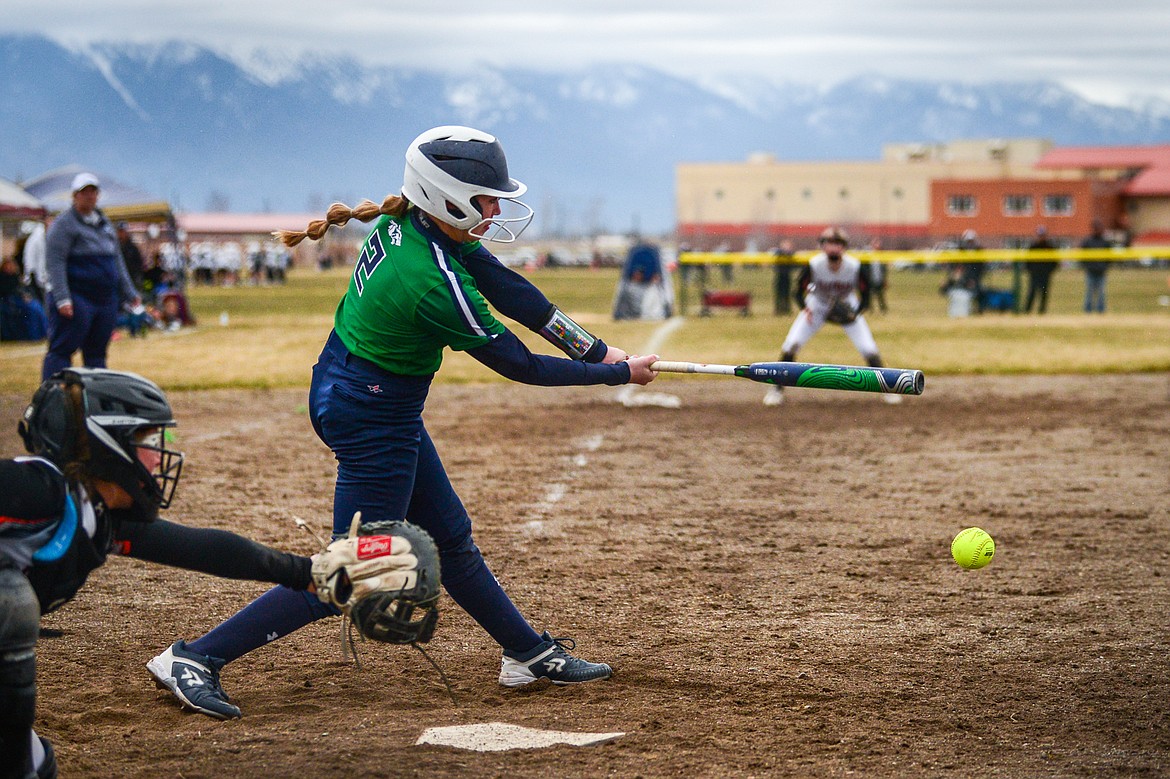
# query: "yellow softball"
973,548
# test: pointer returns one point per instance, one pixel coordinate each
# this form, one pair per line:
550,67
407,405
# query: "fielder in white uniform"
834,288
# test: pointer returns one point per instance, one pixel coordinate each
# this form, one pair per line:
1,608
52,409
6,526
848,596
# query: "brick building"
917,195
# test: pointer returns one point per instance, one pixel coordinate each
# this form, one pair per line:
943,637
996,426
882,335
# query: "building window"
1017,205
1059,205
898,193
806,193
962,205
844,193
719,194
770,194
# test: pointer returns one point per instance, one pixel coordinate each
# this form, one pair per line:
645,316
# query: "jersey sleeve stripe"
458,294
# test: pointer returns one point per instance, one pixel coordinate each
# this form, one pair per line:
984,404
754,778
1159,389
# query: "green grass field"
273,334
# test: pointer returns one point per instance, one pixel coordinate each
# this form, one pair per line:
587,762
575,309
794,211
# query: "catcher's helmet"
834,234
447,167
100,419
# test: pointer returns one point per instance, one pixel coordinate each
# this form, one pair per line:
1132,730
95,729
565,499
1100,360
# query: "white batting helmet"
447,167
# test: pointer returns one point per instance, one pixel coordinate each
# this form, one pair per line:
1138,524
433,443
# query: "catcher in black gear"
101,468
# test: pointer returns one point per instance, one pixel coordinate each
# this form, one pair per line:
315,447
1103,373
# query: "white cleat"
550,660
774,396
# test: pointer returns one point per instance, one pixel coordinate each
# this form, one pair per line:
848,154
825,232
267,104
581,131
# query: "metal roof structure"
119,201
1150,165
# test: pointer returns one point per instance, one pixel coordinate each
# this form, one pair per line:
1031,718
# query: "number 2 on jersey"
367,263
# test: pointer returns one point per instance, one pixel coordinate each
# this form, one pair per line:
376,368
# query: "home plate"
630,398
500,737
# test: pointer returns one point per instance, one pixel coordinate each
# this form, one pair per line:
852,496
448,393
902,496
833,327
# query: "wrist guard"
568,336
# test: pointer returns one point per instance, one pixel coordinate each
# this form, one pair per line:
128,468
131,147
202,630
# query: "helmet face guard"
113,424
448,167
165,474
505,227
155,468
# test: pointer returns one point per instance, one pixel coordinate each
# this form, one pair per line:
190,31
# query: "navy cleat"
194,679
550,660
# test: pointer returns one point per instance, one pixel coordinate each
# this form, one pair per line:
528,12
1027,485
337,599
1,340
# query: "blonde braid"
339,214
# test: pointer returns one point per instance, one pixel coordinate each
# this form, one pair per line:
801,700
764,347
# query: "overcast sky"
1109,51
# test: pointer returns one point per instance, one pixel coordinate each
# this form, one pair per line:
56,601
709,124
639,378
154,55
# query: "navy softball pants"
387,468
89,329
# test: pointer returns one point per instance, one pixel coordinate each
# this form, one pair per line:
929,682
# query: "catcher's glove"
841,313
385,577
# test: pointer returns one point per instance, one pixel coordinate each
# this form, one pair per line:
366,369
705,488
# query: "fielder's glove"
385,577
841,313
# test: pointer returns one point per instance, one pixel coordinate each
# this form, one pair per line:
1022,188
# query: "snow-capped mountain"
596,147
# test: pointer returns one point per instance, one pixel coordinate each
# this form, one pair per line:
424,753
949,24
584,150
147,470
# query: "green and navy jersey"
410,296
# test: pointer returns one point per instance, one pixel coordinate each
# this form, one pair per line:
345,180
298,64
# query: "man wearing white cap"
88,281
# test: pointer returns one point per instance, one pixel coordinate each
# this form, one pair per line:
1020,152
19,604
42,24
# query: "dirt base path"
773,587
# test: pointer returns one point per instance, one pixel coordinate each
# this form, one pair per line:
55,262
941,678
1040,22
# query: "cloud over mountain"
597,147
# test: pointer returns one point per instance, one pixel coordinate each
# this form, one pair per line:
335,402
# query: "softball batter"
835,287
422,283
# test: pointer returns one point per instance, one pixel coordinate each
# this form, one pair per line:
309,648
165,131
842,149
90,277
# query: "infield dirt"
772,585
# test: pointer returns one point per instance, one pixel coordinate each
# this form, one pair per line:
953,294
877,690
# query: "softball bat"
893,381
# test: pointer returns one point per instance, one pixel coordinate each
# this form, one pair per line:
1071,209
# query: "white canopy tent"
17,205
120,202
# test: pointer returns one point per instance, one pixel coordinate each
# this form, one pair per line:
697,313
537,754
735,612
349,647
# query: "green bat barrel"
895,381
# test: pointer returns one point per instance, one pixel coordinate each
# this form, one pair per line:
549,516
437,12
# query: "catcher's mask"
113,425
410,615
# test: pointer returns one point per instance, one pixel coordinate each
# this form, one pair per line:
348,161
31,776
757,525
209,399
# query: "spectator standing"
276,262
130,255
88,281
963,285
36,277
782,278
202,263
174,259
689,272
1039,272
1095,269
971,277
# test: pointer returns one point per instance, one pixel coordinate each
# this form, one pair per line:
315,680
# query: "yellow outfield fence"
928,257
